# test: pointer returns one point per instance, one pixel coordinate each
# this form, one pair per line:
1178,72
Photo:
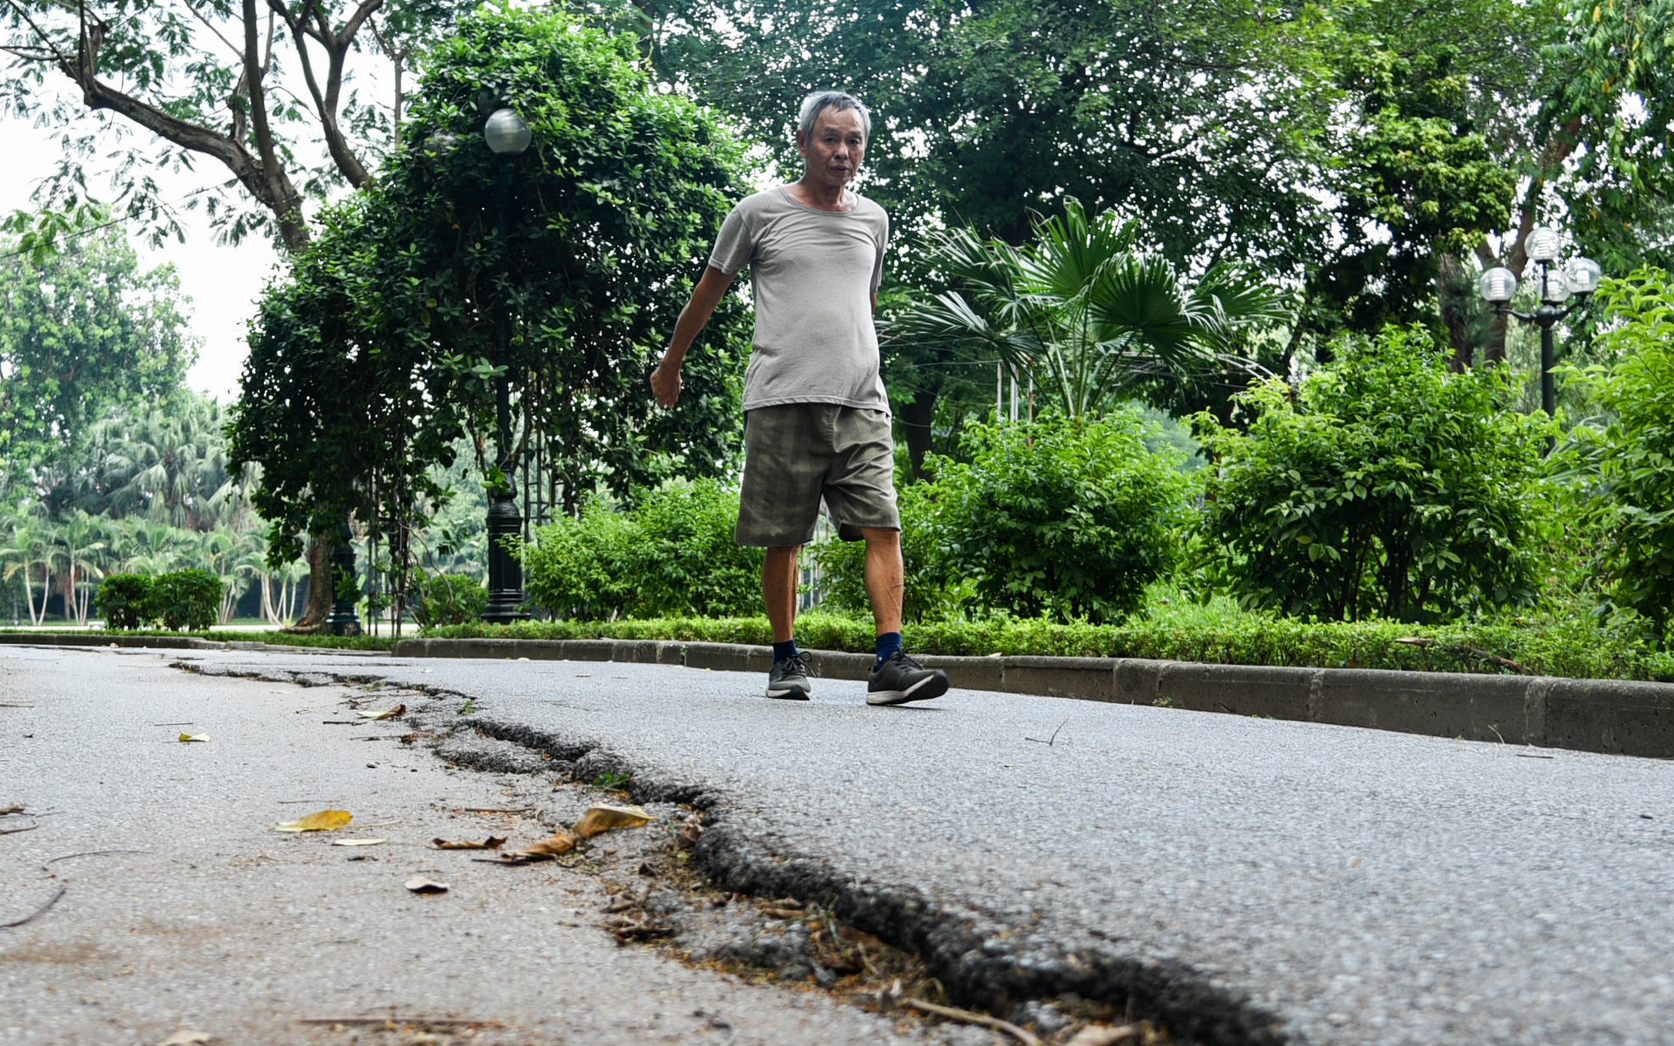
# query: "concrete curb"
1588,715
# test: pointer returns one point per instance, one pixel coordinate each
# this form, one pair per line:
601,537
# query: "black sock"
889,644
784,650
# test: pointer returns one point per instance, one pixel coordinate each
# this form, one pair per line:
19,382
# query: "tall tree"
382,348
81,333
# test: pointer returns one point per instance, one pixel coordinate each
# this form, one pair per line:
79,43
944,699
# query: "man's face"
832,152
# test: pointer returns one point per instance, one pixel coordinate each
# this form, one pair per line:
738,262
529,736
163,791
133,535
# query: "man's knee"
881,535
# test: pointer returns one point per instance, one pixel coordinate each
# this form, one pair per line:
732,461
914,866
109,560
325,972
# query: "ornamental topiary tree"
1385,486
124,600
185,600
379,351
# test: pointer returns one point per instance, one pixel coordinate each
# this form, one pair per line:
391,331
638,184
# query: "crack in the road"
980,959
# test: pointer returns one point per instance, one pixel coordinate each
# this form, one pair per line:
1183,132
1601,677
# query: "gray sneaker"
901,679
788,681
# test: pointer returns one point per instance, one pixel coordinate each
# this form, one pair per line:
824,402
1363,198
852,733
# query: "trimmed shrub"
673,555
124,600
1637,508
449,599
187,600
1065,517
933,589
1387,486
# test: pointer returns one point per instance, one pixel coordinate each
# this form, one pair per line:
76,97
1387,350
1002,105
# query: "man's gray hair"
820,101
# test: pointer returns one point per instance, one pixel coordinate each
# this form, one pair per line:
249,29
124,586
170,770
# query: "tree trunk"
319,586
915,424
1458,311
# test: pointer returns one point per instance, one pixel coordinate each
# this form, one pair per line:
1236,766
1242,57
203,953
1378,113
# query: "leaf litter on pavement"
323,821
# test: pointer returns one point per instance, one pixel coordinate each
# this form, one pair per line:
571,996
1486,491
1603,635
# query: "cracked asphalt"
1255,880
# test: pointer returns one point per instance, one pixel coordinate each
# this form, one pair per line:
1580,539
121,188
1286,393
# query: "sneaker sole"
790,694
926,689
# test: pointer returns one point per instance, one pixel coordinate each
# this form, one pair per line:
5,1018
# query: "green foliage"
81,334
185,600
381,350
1070,517
449,599
933,588
673,554
1636,510
1387,486
125,600
1090,315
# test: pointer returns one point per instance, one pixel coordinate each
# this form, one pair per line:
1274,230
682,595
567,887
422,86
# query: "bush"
933,589
1389,486
124,600
1070,518
186,600
674,554
449,599
1637,509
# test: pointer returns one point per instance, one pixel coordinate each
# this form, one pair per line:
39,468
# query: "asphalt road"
182,910
1258,880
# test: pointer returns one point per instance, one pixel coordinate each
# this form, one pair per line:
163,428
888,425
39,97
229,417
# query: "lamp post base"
505,573
343,620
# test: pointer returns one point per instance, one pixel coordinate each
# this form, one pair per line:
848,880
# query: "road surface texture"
1251,881
182,910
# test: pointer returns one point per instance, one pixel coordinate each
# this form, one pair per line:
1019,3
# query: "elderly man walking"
816,418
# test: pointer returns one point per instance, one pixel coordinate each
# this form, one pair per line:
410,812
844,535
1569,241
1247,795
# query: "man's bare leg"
885,577
778,588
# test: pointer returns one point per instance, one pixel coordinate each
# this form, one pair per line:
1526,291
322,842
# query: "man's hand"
665,384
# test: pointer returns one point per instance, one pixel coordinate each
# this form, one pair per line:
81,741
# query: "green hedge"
1575,650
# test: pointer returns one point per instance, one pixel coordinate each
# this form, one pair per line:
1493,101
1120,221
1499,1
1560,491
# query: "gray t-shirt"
812,273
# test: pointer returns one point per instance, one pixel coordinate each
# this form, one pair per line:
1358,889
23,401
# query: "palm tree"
1086,313
77,544
28,545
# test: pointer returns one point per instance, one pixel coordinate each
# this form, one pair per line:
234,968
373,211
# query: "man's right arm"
710,289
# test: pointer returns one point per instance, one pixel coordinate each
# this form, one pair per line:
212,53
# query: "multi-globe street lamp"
508,135
1579,278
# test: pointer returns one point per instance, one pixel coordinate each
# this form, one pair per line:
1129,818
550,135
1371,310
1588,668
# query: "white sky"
222,283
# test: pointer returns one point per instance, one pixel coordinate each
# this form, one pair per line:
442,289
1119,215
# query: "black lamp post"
344,619
1579,278
507,135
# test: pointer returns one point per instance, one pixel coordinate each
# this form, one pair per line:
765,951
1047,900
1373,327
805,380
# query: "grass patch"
1217,633
228,635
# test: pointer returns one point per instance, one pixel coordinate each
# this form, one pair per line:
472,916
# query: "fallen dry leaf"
493,842
186,738
603,818
1103,1035
560,842
323,821
388,713
419,884
11,809
358,842
187,1038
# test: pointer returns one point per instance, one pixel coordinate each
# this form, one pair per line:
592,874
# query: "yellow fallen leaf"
493,842
184,738
358,842
187,1038
324,821
560,842
603,818
419,884
388,713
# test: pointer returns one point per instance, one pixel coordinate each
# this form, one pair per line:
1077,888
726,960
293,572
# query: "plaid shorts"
797,453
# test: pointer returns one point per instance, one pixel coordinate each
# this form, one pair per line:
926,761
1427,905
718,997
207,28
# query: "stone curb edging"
1615,717
1590,715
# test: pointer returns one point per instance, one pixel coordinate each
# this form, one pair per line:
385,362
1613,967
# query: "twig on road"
1048,741
439,1022
30,827
15,704
89,853
37,913
953,1013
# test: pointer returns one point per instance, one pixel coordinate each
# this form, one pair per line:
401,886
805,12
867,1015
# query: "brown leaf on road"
323,821
420,884
187,1038
1103,1035
493,842
603,818
559,842
388,713
11,810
